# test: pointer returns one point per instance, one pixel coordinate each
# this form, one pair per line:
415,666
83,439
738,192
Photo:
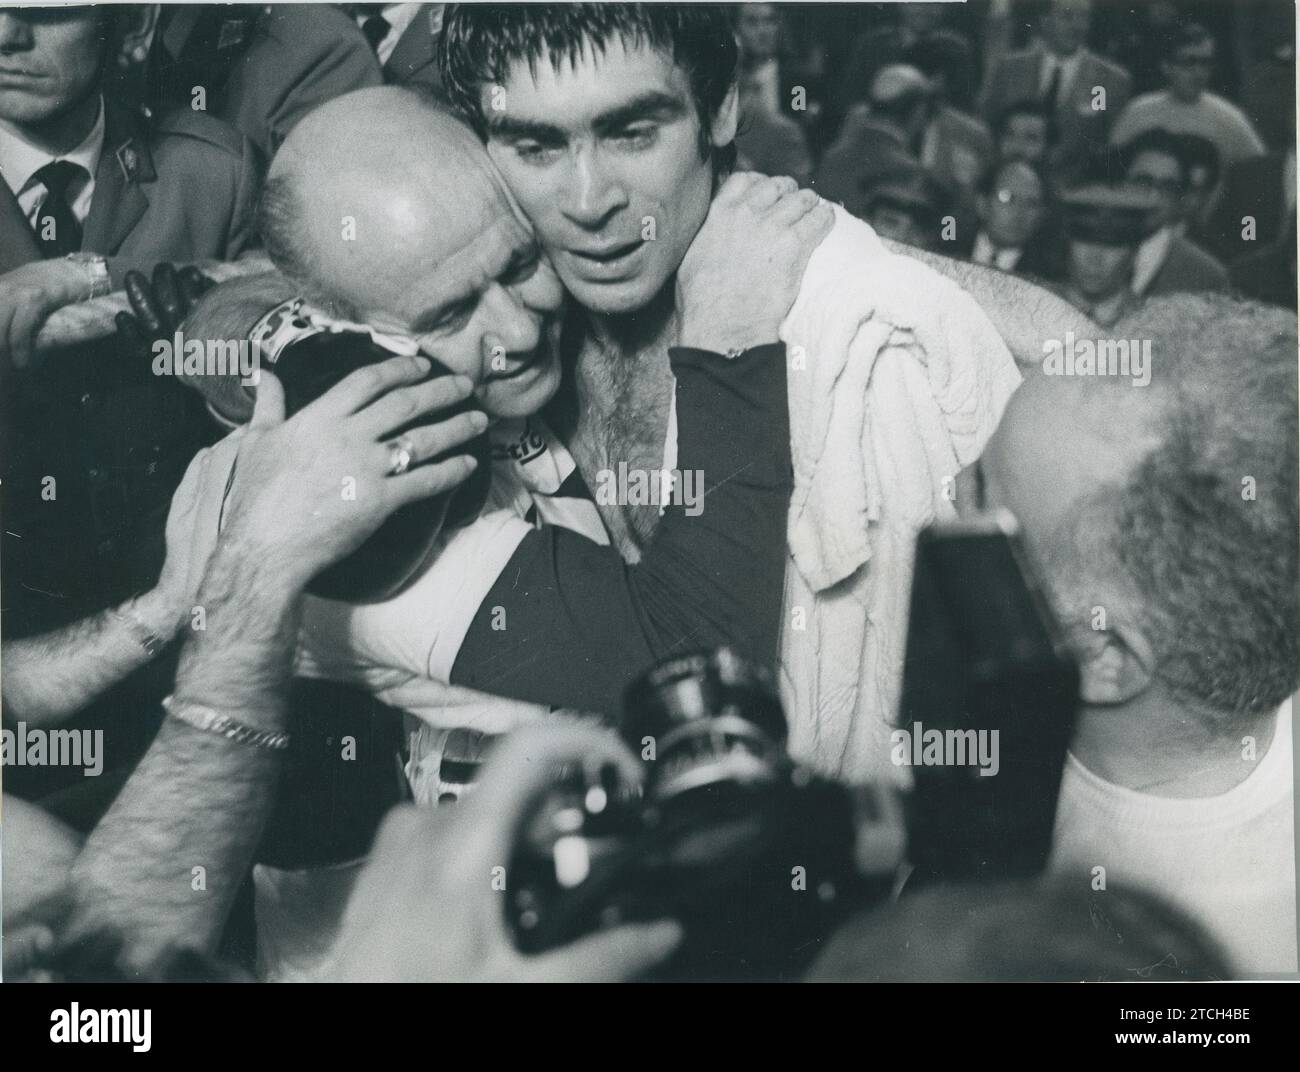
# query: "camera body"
751,853
760,859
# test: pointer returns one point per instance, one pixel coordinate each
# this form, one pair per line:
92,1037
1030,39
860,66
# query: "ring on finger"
401,452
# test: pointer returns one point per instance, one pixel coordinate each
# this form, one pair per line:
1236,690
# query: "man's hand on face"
309,490
742,272
29,294
425,910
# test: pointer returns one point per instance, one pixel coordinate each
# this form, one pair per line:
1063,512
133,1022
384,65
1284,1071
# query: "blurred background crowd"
1114,150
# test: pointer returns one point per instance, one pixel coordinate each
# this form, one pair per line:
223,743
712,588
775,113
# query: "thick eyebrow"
510,127
653,104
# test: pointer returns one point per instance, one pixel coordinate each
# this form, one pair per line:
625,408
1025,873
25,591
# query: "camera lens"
705,719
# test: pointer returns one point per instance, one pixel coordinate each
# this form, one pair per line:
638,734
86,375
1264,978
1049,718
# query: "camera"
753,854
759,858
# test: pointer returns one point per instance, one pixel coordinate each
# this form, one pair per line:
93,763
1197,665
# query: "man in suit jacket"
1009,231
261,69
1060,72
94,446
770,81
405,40
1168,262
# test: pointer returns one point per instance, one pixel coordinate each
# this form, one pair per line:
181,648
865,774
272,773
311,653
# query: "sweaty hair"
480,42
1198,543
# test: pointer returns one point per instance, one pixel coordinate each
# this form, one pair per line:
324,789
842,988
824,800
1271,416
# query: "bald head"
374,191
1172,505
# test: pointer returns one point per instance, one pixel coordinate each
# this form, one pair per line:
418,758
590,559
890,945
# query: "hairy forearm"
164,865
52,676
1025,315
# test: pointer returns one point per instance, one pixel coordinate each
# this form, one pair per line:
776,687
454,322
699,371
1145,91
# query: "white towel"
896,381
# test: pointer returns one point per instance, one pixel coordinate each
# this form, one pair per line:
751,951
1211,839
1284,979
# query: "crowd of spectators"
913,121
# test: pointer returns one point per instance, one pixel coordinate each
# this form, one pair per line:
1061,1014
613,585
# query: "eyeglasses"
1010,197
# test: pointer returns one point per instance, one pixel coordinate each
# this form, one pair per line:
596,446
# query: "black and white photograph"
657,493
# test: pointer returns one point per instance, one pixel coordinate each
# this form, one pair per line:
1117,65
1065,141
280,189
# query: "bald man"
427,251
1166,519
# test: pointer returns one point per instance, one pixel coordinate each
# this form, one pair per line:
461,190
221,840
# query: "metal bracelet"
213,721
144,636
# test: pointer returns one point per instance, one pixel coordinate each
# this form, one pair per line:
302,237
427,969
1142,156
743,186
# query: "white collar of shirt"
986,253
1068,66
20,160
1151,257
399,18
765,85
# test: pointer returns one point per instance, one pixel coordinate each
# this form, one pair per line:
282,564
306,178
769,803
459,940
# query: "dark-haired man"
1168,261
1186,105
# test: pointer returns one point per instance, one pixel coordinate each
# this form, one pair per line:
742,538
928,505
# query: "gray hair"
1198,543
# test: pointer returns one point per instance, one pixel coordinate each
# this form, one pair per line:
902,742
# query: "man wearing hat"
906,208
1104,226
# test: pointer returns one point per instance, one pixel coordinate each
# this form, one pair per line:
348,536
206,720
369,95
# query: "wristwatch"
96,269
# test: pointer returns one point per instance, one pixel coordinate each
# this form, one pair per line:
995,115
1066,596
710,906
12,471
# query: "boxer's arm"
1025,315
579,622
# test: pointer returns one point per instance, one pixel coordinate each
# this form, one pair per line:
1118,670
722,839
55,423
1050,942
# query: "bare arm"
197,800
52,676
49,677
1025,315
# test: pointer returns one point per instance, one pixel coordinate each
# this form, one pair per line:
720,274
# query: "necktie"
376,29
57,228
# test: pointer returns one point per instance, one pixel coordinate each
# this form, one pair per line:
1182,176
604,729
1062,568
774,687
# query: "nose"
15,34
513,324
595,195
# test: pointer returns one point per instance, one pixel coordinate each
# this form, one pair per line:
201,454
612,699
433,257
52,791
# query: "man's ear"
1116,664
723,131
138,24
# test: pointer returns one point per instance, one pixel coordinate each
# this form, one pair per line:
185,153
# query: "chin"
26,108
613,299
